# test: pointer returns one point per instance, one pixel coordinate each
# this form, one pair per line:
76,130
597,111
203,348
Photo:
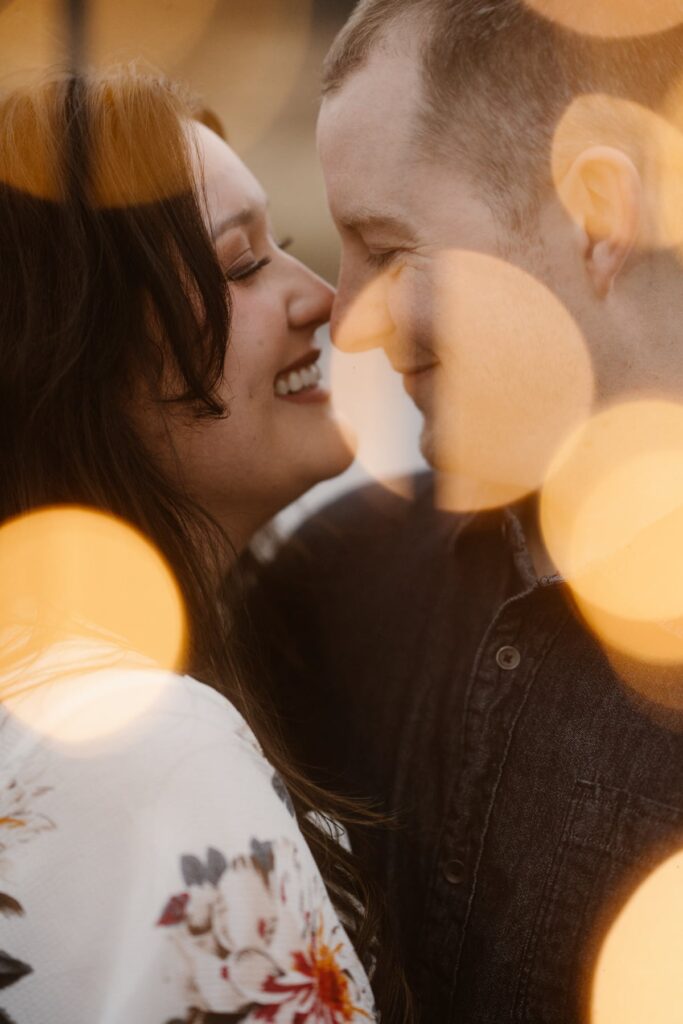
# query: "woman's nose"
311,304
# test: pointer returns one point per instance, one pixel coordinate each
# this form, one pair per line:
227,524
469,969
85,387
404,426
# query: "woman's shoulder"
158,736
183,874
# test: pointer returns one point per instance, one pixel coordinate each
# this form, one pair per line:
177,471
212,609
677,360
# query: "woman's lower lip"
309,396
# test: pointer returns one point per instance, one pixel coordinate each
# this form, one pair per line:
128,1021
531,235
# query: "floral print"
19,823
176,888
287,962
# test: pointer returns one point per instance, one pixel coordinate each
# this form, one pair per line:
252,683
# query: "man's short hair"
502,75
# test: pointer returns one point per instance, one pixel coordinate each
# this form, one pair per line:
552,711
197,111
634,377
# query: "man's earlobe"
602,190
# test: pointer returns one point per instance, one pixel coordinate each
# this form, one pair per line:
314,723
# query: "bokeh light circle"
513,375
248,65
515,378
611,19
612,520
82,592
638,978
34,34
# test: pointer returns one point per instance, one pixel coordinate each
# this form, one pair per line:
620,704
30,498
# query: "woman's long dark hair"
109,278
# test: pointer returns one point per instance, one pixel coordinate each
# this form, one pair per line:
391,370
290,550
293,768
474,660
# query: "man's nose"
360,317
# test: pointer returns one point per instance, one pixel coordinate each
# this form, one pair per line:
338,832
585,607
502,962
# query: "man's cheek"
410,306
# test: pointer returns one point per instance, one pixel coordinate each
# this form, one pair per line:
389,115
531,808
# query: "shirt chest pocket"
612,840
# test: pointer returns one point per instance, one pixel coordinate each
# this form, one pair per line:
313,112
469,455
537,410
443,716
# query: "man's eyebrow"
362,220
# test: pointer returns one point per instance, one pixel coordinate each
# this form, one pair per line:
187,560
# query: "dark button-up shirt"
429,668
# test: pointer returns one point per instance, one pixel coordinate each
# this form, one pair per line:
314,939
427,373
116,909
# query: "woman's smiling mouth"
299,382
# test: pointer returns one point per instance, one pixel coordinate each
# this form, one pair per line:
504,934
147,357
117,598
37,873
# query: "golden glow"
248,65
611,19
132,156
376,417
653,142
33,33
612,520
638,979
81,593
367,392
515,379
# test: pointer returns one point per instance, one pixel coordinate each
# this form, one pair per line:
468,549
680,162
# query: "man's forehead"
377,102
367,141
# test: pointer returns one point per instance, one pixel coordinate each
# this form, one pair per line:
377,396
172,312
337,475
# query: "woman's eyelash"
244,272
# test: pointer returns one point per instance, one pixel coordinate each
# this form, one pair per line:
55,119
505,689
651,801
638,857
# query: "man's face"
431,275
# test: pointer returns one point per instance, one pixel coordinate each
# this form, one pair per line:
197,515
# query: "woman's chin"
337,453
325,455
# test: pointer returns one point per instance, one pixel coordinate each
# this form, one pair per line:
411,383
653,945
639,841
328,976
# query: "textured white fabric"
151,870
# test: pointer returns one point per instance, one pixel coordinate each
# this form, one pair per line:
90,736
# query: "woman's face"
280,436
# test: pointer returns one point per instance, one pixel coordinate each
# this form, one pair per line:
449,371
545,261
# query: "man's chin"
434,451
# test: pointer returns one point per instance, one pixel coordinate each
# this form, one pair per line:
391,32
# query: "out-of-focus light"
612,520
611,19
654,143
135,154
82,592
638,978
34,34
247,66
507,375
514,379
379,423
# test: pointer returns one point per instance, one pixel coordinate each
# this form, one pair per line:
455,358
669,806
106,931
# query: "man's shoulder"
374,514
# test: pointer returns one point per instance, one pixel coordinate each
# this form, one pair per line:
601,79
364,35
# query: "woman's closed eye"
243,269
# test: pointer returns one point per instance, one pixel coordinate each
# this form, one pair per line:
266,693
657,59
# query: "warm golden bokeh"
501,400
376,417
612,519
249,63
135,150
653,142
638,979
80,592
515,379
611,19
34,34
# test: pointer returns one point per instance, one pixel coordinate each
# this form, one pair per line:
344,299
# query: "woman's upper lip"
306,359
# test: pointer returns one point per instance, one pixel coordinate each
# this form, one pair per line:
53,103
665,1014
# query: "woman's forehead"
230,187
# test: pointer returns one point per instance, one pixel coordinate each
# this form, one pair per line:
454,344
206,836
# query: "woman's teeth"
298,380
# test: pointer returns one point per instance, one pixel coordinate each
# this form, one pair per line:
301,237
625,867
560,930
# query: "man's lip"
413,371
309,357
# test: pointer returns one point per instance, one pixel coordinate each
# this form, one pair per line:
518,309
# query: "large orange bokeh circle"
82,593
612,520
611,19
638,978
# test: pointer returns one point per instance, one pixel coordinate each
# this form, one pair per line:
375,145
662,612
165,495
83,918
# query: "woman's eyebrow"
233,220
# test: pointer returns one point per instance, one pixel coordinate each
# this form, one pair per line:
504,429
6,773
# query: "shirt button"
454,871
508,658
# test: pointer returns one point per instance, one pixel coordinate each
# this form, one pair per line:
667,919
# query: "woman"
157,363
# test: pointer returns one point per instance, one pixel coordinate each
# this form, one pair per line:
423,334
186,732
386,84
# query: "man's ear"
603,192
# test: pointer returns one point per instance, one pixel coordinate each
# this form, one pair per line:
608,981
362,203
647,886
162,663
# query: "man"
439,664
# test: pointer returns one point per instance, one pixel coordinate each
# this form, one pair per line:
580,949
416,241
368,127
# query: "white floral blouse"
155,874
